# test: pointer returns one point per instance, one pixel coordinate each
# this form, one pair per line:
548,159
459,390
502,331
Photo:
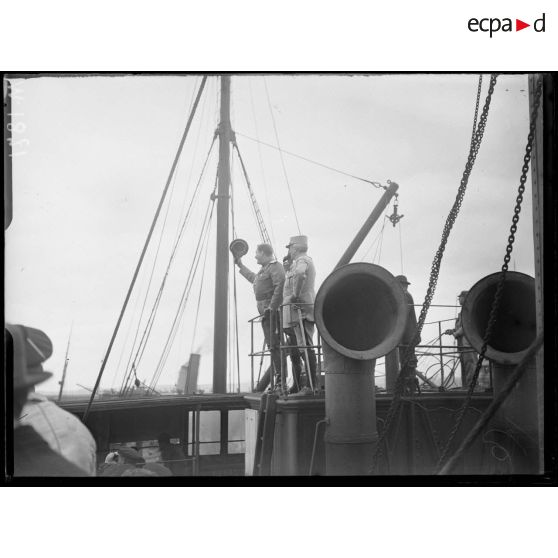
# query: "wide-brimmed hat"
301,240
31,347
402,279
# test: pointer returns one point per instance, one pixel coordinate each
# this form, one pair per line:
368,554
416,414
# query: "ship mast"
222,252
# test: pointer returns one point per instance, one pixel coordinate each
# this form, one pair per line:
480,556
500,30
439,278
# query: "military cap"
300,240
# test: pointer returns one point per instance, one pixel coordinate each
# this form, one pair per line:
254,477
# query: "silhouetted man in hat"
409,369
298,314
26,349
467,356
268,289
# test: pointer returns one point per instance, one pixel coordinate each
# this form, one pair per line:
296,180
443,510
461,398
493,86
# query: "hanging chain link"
479,89
507,257
435,270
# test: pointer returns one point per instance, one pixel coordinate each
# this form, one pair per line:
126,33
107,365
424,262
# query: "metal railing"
283,347
441,360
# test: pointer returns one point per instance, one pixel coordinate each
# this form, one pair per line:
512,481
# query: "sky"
99,151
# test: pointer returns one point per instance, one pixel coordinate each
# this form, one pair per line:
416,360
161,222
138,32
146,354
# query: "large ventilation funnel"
361,314
360,311
513,333
515,327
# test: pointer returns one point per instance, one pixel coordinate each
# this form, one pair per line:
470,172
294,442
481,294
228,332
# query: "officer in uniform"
409,371
298,296
268,288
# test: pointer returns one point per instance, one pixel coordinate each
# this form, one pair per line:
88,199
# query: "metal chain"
476,109
435,270
500,287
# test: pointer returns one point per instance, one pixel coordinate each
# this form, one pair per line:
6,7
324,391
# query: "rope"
494,406
281,157
374,183
146,244
435,270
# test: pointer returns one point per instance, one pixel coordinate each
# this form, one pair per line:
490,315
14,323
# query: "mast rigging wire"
199,301
374,183
281,157
374,241
203,113
125,381
147,240
127,378
378,252
152,316
255,207
201,245
202,240
184,299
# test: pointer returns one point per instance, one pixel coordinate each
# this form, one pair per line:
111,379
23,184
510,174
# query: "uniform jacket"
268,284
459,335
303,268
411,327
